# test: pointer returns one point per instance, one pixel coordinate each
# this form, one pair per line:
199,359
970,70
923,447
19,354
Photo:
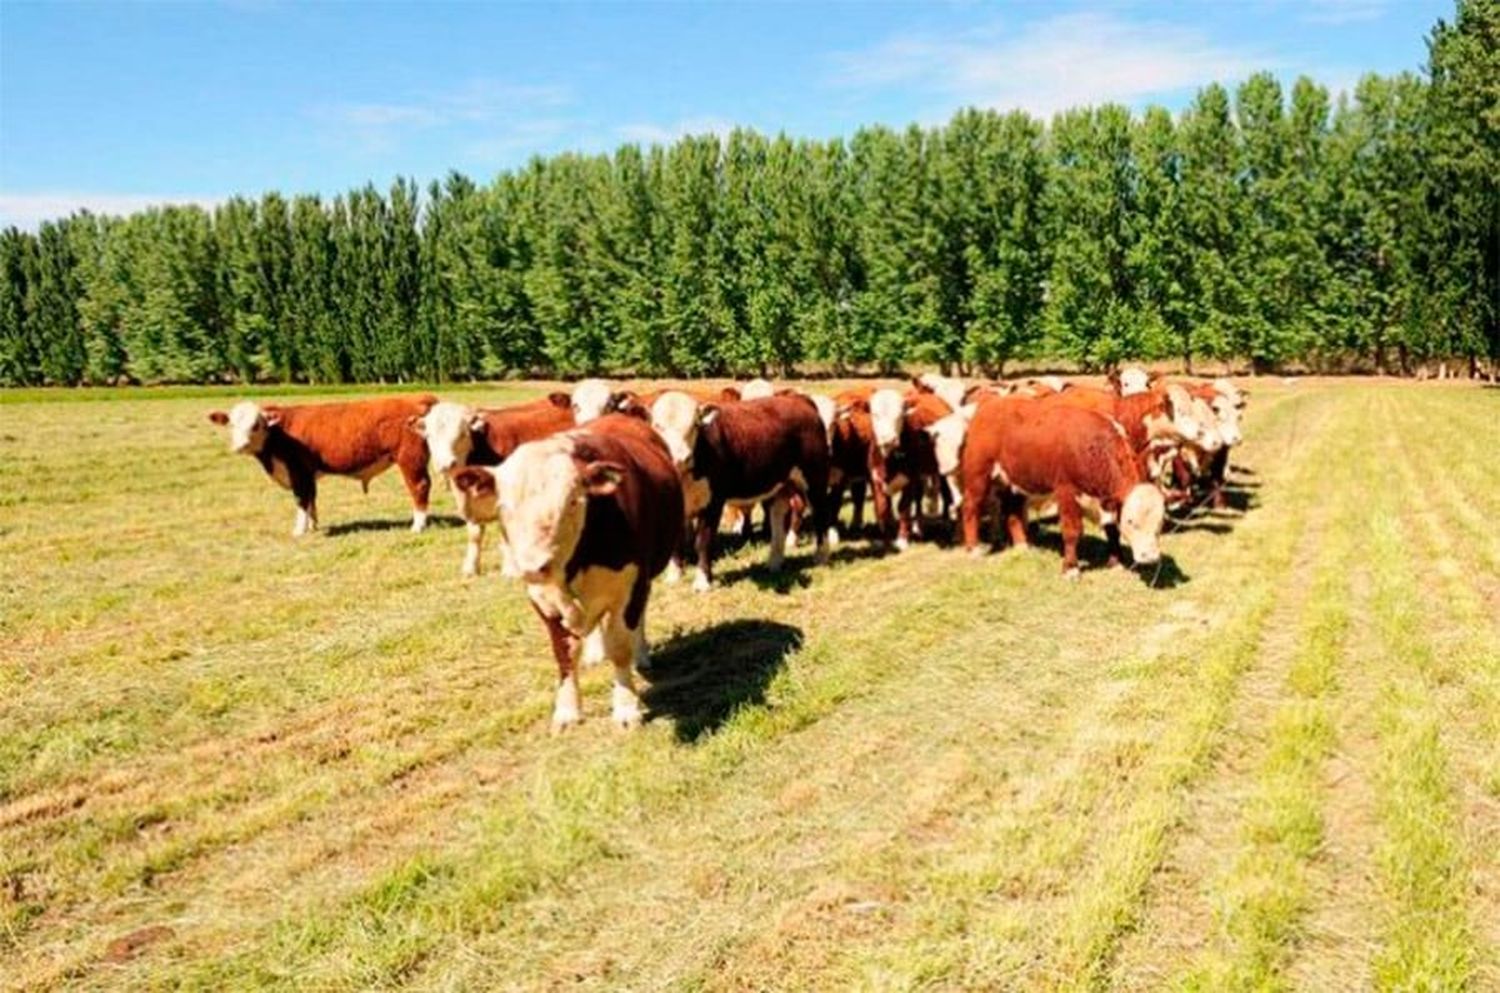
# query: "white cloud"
646,133
1049,65
28,210
506,109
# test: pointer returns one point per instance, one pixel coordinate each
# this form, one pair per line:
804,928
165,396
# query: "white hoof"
673,574
902,544
1073,575
833,537
626,715
563,720
791,542
700,582
418,523
977,552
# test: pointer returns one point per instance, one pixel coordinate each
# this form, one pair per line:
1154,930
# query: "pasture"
232,760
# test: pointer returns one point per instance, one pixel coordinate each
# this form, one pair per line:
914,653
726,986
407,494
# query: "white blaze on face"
1141,518
447,428
1228,415
674,415
1210,439
1185,426
1227,388
541,504
591,399
827,412
887,413
1133,380
247,428
948,437
757,389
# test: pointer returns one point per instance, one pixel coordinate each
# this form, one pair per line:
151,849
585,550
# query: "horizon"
243,98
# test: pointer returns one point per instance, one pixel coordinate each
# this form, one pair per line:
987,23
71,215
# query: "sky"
116,106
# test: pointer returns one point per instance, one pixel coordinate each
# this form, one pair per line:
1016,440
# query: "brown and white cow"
911,468
1156,421
297,443
590,517
1036,452
746,453
953,391
458,435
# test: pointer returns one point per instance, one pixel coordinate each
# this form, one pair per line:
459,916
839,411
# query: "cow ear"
473,480
476,423
730,393
1178,399
602,478
415,425
218,417
707,414
272,418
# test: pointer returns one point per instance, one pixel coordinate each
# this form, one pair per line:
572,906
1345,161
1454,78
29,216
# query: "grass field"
229,760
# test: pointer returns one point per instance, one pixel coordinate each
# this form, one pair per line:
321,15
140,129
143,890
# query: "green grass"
325,763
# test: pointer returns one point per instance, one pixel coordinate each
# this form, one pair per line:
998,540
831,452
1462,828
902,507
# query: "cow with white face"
458,435
948,443
592,398
887,417
1130,380
757,389
297,443
590,517
952,391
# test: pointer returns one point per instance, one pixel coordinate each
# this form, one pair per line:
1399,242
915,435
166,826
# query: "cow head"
757,389
948,437
952,391
676,416
542,494
1234,393
1180,422
1210,434
887,416
1130,380
1227,412
248,425
1141,517
591,398
449,429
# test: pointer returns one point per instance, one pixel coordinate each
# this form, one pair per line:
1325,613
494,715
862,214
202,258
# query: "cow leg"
1218,473
777,511
909,499
412,459
472,552
835,504
565,709
1070,522
796,509
305,489
708,523
1112,536
620,642
857,499
976,495
1013,510
596,644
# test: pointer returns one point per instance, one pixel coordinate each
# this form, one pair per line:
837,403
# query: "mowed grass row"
326,762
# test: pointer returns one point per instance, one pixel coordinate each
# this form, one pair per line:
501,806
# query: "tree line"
1256,227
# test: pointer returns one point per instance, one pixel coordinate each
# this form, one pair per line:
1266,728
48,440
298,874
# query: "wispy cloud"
28,210
1051,64
647,133
508,110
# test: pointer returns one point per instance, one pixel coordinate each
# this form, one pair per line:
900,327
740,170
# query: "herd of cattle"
599,491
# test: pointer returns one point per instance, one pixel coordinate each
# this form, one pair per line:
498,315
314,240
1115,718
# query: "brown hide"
1131,412
347,438
507,428
1041,448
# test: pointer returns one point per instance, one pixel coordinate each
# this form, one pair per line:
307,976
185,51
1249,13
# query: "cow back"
1039,445
507,428
752,446
348,437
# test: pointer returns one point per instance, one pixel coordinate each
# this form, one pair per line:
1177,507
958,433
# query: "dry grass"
229,760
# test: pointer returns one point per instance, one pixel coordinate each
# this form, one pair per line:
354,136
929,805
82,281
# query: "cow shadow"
699,680
1093,556
798,568
391,524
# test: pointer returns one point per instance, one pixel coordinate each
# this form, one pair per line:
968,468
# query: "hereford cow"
912,466
1036,452
590,517
1156,421
948,435
747,453
953,391
296,444
458,435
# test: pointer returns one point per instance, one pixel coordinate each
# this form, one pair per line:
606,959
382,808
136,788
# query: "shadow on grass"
388,524
699,680
1093,555
797,570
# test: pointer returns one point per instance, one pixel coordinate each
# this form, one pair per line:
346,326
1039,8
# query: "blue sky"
113,106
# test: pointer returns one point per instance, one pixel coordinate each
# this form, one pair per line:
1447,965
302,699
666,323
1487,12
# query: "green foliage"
1254,227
